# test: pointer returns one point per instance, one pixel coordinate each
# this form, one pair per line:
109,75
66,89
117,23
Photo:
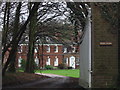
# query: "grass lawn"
69,72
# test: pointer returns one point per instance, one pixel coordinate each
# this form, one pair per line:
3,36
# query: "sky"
25,16
62,0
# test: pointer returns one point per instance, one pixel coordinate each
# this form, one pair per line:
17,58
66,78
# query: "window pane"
48,48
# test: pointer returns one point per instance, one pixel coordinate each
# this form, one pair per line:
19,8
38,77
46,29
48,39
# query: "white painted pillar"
85,55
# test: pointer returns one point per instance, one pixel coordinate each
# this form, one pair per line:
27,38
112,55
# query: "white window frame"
48,61
56,61
47,39
48,49
35,50
66,60
19,61
37,61
26,38
77,60
73,50
56,49
72,61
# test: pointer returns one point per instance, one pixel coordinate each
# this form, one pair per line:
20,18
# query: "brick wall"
43,56
105,58
52,54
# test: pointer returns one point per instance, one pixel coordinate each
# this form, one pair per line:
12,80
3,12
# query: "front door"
72,62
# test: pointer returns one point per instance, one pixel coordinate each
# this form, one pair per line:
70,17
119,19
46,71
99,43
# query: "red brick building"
49,54
71,56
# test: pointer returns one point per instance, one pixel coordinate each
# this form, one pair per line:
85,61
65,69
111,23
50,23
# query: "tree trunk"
5,27
17,38
30,56
16,27
12,54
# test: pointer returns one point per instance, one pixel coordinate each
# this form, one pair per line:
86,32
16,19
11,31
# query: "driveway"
55,81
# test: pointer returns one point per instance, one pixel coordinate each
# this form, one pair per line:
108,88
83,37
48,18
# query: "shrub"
70,68
48,67
36,67
62,66
23,64
55,68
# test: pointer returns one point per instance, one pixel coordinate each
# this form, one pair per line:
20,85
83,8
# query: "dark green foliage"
23,64
11,69
17,37
62,66
55,68
36,67
70,68
48,67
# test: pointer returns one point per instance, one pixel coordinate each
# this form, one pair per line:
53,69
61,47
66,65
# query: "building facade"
49,54
71,56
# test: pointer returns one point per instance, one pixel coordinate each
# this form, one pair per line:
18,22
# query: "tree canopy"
38,20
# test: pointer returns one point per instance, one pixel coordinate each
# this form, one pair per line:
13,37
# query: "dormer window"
56,49
48,48
73,50
47,39
26,38
65,50
20,49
